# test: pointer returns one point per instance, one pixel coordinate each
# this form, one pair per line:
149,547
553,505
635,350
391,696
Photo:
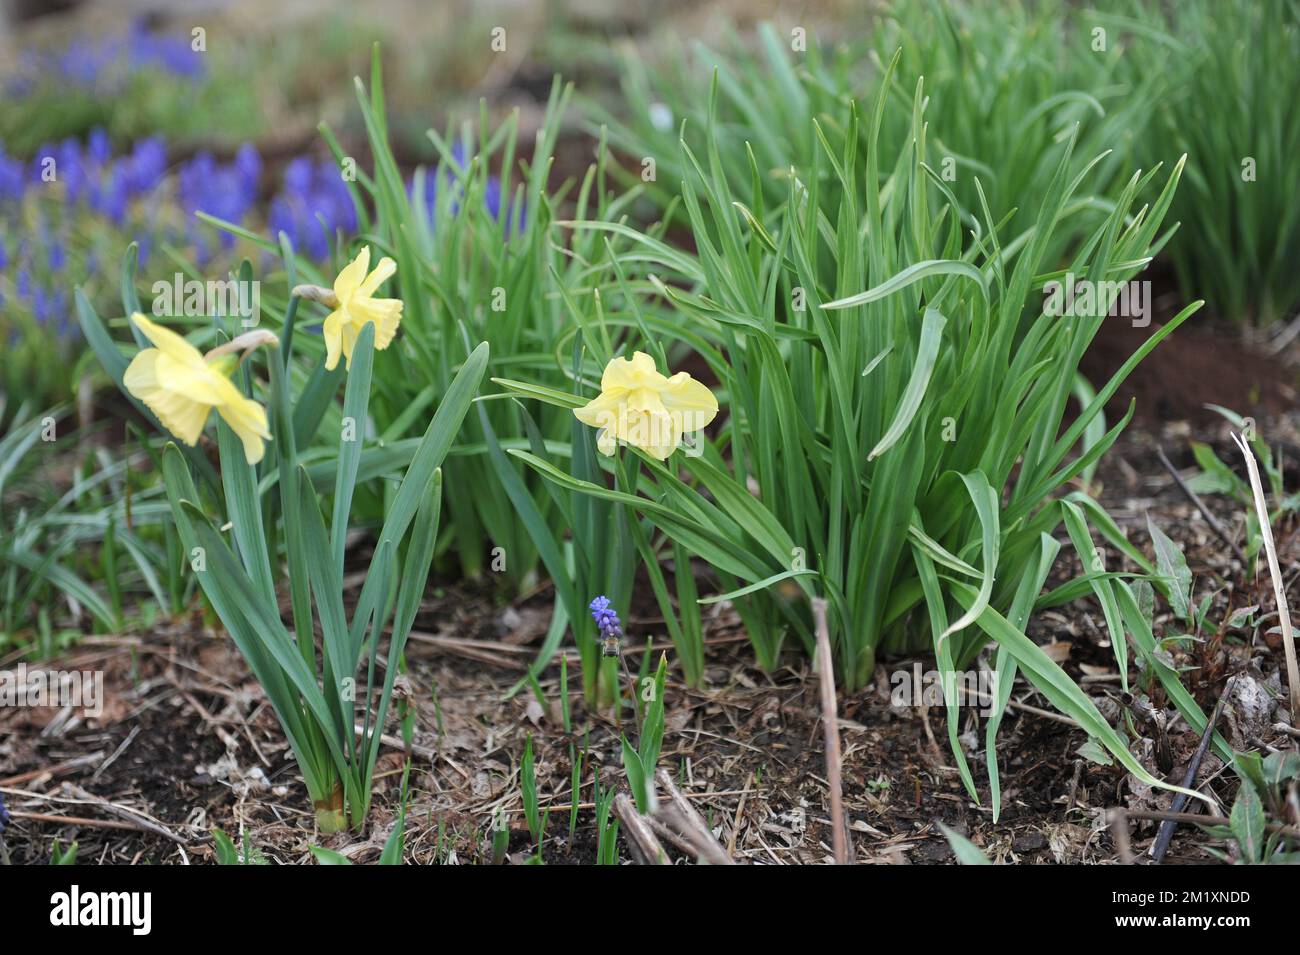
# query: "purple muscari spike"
56,257
611,631
12,184
298,176
315,238
492,197
495,201
4,815
226,192
24,282
4,256
69,168
280,218
37,172
66,328
249,164
145,166
606,617
42,306
113,196
106,62
98,147
173,54
343,212
82,62
312,194
193,177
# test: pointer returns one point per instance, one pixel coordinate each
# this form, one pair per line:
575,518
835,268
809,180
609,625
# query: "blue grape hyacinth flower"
611,630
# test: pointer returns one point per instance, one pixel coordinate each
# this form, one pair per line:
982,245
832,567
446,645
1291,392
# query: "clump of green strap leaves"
1223,66
1146,82
324,696
468,270
1007,84
516,281
894,428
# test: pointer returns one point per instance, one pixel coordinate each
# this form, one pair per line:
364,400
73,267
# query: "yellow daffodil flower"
181,387
639,406
355,305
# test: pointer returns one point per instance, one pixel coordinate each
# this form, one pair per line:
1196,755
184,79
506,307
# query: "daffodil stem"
286,341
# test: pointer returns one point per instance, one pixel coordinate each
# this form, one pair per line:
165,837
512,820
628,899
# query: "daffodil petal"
381,274
631,373
168,342
201,384
182,416
333,333
353,274
248,420
600,412
349,336
692,401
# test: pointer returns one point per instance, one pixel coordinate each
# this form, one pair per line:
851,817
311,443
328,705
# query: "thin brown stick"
1198,819
735,819
661,828
1024,708
643,842
1287,730
1279,589
1119,832
472,649
73,820
690,823
122,748
1074,785
392,742
141,820
1215,524
831,727
55,770
1166,833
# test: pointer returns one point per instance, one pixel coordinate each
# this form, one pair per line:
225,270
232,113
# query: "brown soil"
1206,361
196,748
